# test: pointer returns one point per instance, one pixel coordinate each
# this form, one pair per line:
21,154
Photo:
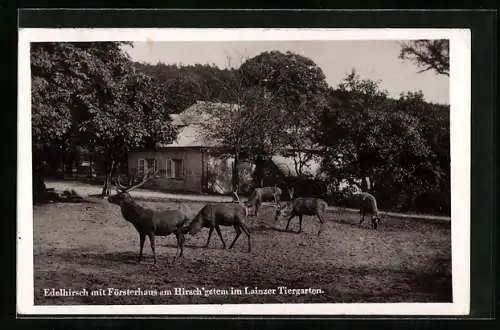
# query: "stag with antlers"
148,222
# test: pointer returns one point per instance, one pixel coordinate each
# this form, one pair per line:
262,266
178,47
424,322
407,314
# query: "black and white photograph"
249,171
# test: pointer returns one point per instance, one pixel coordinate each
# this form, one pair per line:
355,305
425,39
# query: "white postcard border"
460,77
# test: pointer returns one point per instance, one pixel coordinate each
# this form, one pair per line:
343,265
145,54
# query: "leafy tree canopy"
89,94
428,55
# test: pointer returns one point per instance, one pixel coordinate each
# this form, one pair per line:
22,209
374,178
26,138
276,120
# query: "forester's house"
192,162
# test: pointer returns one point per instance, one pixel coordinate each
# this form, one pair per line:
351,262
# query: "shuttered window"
175,168
178,168
141,167
168,168
152,165
146,165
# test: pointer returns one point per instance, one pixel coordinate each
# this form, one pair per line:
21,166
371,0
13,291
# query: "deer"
148,222
301,206
367,204
264,193
214,215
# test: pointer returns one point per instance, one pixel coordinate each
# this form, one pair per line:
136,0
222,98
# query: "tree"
89,94
184,85
299,89
133,118
351,130
428,55
276,98
434,172
399,148
249,126
60,75
407,170
368,136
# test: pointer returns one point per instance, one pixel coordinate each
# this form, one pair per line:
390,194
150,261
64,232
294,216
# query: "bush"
434,202
341,198
308,187
39,188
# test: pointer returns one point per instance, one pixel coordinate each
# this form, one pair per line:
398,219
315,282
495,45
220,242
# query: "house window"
141,167
178,169
175,168
146,165
152,165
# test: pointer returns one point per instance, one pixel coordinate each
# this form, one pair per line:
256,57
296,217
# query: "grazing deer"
301,206
261,194
148,222
367,203
214,215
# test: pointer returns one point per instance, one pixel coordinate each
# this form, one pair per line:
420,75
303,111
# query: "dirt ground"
90,246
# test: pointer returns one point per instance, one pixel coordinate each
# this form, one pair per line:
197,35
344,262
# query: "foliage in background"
89,94
399,148
184,85
276,96
428,55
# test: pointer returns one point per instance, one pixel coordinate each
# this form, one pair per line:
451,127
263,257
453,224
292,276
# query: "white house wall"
217,171
220,174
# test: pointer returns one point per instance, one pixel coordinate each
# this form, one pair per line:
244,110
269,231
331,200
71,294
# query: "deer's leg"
277,215
362,217
300,224
288,223
374,222
183,239
220,235
247,232
257,204
142,238
209,235
180,242
322,222
152,242
238,233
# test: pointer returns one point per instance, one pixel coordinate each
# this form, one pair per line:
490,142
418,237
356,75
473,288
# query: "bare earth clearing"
89,245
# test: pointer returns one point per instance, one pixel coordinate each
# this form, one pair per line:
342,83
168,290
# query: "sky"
372,59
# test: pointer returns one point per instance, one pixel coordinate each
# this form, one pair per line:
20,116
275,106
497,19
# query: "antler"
119,185
236,195
140,184
240,202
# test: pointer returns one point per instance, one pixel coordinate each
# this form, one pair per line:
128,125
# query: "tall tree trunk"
105,185
368,183
236,174
106,189
259,171
365,184
63,164
69,160
90,168
39,188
